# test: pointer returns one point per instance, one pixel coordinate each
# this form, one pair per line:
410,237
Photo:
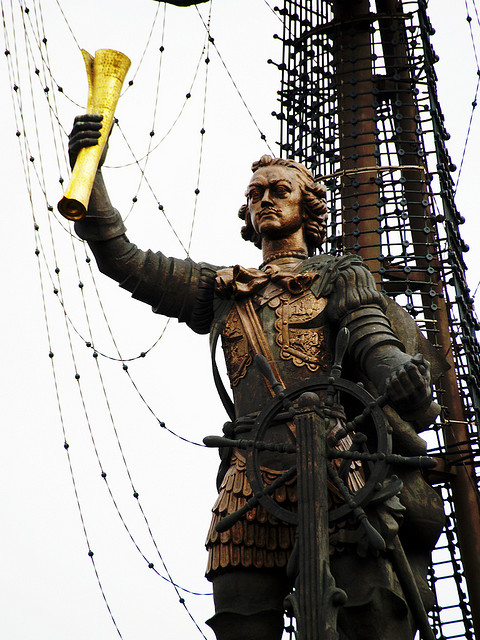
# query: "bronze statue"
289,310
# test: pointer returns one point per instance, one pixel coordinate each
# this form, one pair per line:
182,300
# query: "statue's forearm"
381,357
103,229
102,221
118,258
373,345
99,198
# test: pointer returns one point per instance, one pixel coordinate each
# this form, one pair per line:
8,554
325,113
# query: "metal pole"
353,72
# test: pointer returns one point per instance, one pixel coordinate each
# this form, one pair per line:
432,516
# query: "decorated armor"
290,311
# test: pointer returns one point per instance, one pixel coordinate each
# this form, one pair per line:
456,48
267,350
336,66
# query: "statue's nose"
266,199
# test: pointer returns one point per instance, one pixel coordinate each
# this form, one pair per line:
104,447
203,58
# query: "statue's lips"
268,212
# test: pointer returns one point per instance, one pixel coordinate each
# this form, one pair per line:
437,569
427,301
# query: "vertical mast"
359,107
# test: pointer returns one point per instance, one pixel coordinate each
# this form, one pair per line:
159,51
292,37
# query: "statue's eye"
255,194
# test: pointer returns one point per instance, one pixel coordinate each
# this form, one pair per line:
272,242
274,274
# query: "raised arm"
176,288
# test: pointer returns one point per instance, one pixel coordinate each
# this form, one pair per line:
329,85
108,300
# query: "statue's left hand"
409,387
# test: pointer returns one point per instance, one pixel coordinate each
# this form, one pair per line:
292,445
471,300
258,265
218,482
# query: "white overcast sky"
48,588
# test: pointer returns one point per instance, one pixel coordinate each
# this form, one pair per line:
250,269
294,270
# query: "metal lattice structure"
359,107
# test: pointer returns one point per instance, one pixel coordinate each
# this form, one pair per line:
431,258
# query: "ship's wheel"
365,427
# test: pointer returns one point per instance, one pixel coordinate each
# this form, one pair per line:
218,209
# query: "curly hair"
314,205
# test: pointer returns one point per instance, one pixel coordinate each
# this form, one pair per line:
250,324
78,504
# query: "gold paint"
238,356
304,345
105,74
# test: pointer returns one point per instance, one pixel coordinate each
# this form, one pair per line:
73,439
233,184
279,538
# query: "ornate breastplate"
298,334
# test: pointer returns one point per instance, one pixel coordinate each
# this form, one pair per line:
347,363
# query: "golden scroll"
106,74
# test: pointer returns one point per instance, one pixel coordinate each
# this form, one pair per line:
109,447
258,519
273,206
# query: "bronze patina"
290,311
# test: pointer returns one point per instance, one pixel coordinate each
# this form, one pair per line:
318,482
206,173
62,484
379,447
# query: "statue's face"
274,201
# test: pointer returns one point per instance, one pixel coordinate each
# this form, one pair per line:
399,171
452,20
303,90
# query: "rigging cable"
28,181
60,298
202,130
474,101
152,130
40,178
95,354
212,40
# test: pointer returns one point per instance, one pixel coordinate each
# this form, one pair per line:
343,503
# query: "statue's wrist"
100,224
424,416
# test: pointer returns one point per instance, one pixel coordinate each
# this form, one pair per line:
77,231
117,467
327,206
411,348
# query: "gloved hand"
85,133
409,388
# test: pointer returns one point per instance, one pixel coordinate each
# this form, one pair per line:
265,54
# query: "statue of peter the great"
289,309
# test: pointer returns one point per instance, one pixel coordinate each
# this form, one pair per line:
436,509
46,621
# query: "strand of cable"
87,343
130,83
157,92
41,176
97,455
41,179
72,324
70,465
96,351
112,496
103,474
119,358
41,183
152,130
476,289
83,403
212,40
127,371
72,33
202,129
142,56
474,101
273,11
146,157
147,44
143,177
148,562
160,206
160,422
13,72
47,326
122,454
26,10
52,102
188,95
136,495
137,161
53,110
85,412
